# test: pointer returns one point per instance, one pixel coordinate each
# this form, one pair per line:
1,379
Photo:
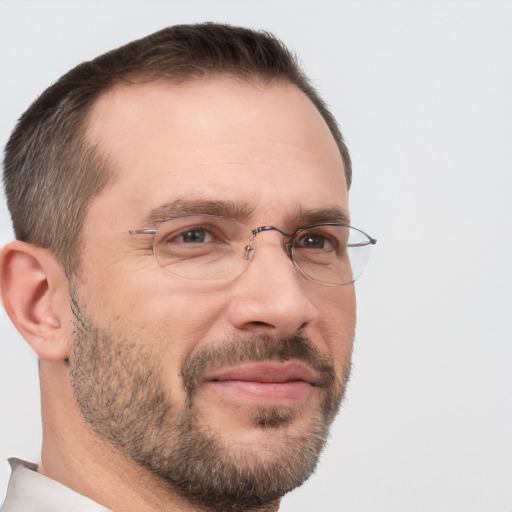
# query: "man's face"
225,389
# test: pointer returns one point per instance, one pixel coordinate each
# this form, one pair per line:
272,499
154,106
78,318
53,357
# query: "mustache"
257,349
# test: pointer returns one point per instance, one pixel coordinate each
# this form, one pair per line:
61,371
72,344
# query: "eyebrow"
180,207
333,214
239,211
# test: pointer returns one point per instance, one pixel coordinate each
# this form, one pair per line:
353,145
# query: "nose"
271,297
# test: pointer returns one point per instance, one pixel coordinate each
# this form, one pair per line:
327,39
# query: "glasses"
213,248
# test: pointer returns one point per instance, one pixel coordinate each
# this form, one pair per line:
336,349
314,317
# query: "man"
184,271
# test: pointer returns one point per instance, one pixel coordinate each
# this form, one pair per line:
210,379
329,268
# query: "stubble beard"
118,388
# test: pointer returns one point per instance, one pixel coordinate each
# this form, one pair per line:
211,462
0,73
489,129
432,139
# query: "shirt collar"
30,491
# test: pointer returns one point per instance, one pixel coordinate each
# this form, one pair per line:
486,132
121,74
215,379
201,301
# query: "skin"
218,139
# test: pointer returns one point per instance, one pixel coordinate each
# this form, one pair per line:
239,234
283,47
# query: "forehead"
218,139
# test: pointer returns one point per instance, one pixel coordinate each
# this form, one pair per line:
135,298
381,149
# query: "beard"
118,386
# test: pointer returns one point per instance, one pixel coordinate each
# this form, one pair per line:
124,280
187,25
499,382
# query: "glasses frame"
288,246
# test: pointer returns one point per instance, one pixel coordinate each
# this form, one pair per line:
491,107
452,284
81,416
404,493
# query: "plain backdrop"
423,94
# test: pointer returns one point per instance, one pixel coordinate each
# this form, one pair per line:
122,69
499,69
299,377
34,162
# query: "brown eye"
317,241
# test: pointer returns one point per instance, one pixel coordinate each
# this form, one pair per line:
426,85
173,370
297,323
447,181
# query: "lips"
270,372
270,381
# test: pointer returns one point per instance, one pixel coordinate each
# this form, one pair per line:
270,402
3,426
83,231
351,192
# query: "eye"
189,241
318,241
199,233
199,246
194,235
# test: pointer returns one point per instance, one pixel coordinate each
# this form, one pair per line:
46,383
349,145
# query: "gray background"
422,90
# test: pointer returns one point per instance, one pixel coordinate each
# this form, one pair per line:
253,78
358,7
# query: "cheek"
144,297
174,317
338,321
184,306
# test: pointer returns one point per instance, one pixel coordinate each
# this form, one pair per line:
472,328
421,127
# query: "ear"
35,291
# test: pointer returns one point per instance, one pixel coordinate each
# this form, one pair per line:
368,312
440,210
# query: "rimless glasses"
214,248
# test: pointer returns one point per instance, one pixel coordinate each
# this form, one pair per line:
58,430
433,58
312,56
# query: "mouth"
270,382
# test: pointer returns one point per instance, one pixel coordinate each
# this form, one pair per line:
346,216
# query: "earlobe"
32,284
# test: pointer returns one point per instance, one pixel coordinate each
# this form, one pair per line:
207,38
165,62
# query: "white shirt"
28,491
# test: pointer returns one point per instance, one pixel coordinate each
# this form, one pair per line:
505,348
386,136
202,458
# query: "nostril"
257,323
258,327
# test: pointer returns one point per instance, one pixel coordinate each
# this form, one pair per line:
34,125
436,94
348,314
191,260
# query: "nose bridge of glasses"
255,231
249,249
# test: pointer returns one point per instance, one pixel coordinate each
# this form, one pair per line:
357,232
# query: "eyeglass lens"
206,247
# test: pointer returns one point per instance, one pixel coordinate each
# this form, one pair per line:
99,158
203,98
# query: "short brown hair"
51,173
